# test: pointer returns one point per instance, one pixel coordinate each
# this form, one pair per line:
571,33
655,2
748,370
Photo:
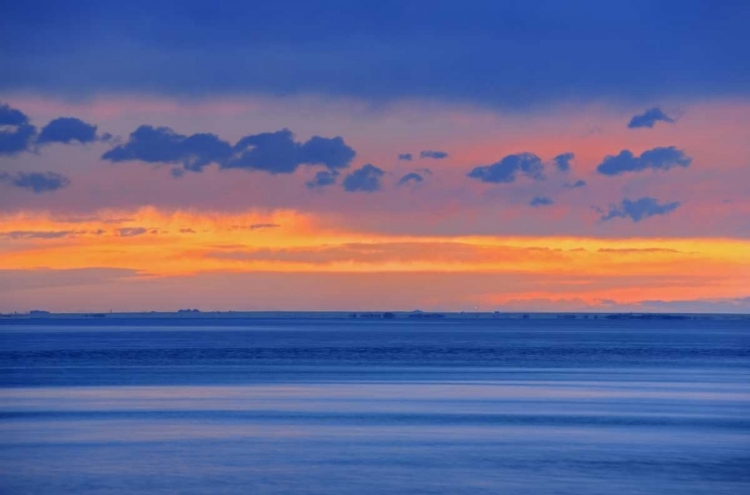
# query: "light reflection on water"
661,410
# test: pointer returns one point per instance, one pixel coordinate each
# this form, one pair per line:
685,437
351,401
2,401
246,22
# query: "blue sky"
509,54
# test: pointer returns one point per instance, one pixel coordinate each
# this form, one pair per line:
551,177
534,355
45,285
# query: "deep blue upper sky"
491,52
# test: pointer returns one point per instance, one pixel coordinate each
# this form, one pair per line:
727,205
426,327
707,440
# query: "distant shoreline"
380,315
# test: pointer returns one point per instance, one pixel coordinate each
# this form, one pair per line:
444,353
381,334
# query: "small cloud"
592,131
412,177
365,179
576,184
540,201
435,155
637,250
16,140
131,231
508,169
258,226
33,234
406,157
662,158
649,118
322,178
12,116
639,209
67,129
187,231
562,162
37,182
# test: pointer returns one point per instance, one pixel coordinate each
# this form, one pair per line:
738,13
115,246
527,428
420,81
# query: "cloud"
11,116
22,135
258,226
322,178
45,278
365,179
590,47
508,169
131,231
435,155
387,251
272,152
278,153
35,234
410,177
639,209
67,129
162,145
649,118
638,250
576,184
16,140
563,161
662,158
38,182
540,201
405,156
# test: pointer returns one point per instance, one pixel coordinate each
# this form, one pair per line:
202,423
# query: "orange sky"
154,246
130,236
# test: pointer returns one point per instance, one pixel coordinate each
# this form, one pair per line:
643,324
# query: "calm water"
252,406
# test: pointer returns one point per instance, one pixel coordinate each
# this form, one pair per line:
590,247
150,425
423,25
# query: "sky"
389,155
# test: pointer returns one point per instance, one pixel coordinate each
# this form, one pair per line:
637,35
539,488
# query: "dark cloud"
435,155
596,50
413,177
67,129
562,162
649,118
38,182
131,231
187,231
541,201
272,152
18,139
322,178
406,157
21,135
278,153
662,158
162,145
365,179
576,184
11,116
639,209
508,169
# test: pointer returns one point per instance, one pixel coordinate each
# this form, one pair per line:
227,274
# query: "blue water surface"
201,405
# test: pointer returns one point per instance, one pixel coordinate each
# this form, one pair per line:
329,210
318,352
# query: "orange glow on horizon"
161,244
